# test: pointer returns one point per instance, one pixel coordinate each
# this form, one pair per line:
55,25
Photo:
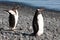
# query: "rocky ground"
24,26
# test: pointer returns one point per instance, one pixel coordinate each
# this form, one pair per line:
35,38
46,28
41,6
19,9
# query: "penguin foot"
14,28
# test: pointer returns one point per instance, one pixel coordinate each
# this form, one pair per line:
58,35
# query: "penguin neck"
39,13
16,12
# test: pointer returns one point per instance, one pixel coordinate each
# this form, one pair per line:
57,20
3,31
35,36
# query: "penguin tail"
33,34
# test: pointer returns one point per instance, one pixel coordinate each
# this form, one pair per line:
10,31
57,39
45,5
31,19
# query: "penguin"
13,17
38,23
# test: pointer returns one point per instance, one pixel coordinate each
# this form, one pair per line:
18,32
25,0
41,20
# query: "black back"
35,23
11,20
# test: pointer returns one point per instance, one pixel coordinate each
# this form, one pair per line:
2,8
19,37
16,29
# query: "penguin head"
12,11
15,8
40,10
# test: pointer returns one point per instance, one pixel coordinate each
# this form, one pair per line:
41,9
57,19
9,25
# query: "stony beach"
24,26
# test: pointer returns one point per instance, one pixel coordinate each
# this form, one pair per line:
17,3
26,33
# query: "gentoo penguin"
13,17
38,23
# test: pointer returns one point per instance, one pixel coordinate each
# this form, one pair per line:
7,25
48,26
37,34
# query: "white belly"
16,19
40,24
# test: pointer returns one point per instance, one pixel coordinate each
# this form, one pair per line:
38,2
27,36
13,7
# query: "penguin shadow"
2,29
26,34
17,32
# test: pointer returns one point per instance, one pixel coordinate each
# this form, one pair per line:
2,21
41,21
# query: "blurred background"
26,13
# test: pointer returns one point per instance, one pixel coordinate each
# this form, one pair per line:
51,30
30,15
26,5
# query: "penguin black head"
40,10
13,10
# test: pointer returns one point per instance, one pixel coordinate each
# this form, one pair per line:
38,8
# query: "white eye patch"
12,12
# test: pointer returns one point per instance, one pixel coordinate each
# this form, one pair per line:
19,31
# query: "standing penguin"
13,17
38,23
